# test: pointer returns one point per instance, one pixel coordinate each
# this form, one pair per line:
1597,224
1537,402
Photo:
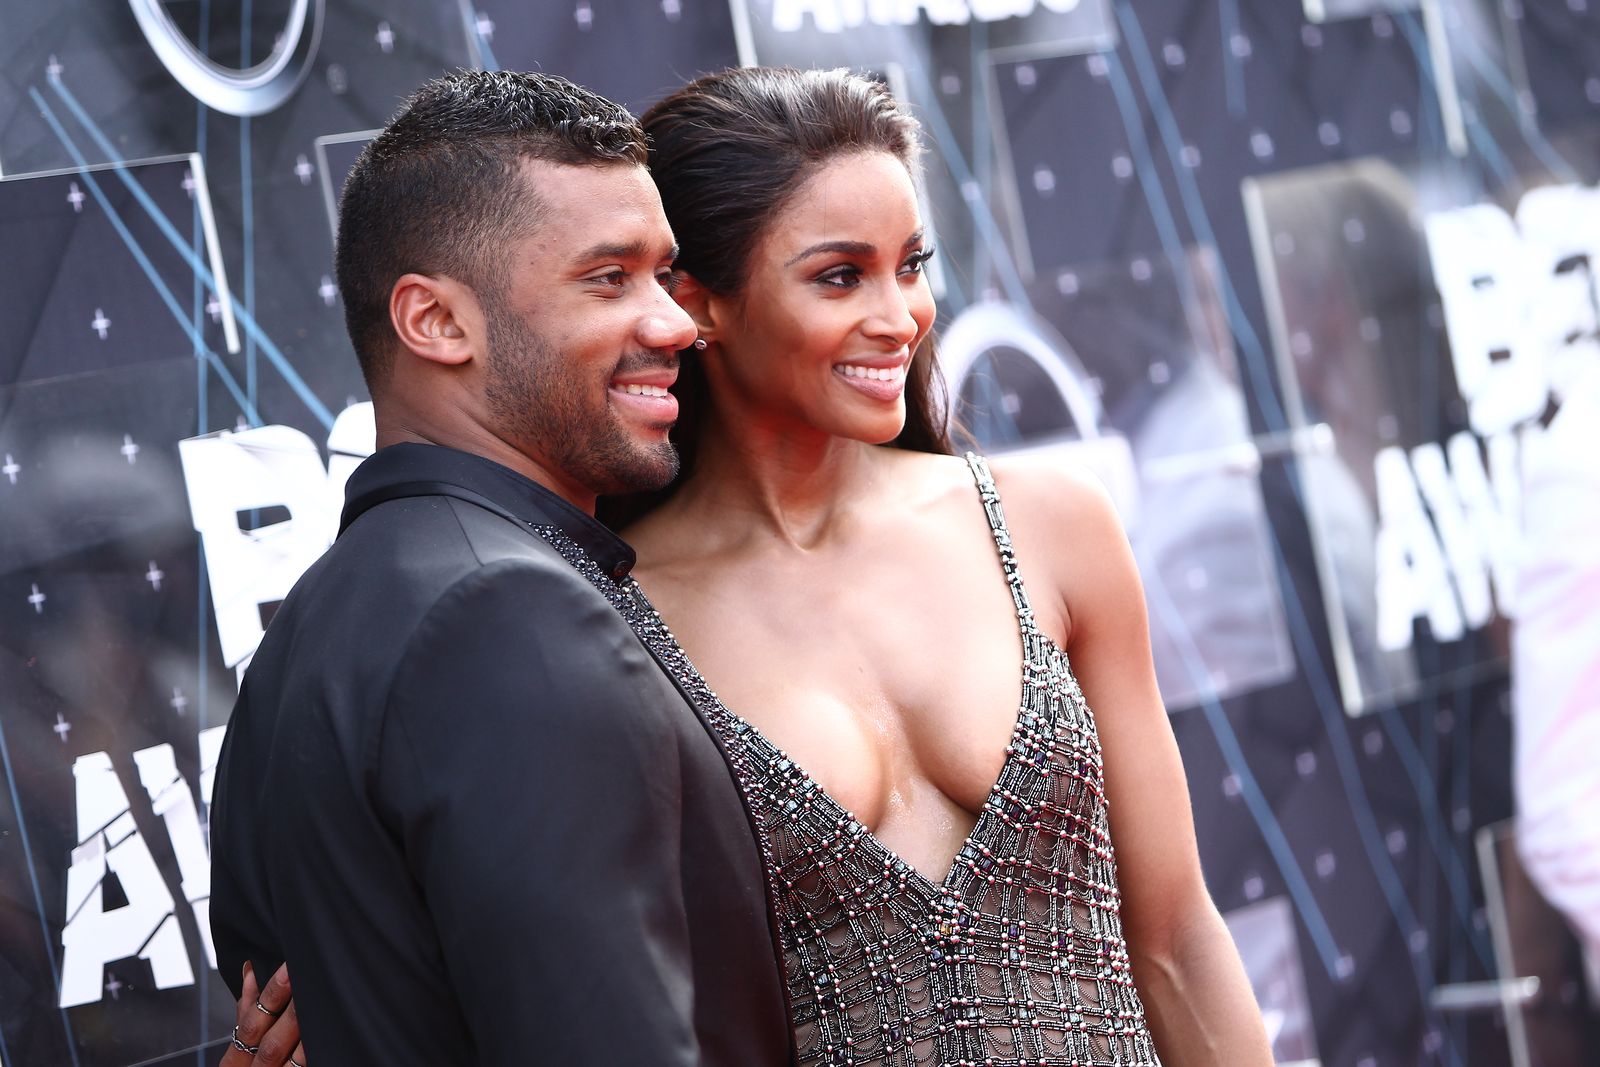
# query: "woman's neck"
792,483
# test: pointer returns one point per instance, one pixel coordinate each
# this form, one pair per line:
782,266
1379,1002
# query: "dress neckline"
1035,644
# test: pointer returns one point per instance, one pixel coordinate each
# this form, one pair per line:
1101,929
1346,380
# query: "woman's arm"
1200,1006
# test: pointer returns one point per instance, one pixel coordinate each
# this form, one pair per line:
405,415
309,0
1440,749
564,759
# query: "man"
456,793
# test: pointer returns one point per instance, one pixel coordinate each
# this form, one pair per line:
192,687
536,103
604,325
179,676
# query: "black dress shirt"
466,805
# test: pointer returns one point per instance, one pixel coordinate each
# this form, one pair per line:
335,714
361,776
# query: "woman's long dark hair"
727,151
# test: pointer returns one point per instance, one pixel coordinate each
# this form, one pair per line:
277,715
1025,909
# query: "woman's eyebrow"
850,248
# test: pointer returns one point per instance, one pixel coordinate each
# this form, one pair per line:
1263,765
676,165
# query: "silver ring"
249,1050
267,1013
294,1063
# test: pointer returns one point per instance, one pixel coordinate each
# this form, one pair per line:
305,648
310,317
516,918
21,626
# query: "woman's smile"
877,381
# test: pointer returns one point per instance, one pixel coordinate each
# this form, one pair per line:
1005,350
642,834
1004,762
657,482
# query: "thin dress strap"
1002,538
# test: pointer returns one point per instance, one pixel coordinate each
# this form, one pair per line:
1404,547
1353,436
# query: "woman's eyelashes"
849,275
844,276
917,260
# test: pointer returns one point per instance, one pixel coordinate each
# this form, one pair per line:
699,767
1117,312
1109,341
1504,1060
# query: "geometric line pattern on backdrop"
1256,357
38,894
138,253
253,330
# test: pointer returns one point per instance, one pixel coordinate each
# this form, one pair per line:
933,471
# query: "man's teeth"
878,374
644,390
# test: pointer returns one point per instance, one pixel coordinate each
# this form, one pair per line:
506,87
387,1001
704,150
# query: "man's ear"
436,318
703,306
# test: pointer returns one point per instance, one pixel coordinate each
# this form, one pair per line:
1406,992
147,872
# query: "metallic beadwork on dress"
1017,957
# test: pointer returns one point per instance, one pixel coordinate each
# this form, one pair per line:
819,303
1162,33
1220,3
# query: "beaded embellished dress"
1016,957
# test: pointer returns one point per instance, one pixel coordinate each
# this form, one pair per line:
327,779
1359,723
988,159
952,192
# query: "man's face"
583,335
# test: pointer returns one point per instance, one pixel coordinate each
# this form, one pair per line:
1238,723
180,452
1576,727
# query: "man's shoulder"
411,577
437,539
395,565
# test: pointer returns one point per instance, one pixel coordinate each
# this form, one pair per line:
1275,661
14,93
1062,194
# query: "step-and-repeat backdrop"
1304,283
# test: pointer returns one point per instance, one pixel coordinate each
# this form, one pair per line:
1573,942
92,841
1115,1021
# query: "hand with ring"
268,1032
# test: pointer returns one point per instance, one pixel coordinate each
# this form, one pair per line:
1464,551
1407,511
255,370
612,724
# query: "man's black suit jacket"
464,803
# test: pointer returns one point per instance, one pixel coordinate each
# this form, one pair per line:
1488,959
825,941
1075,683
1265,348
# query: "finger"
247,1027
275,996
234,1058
258,1013
299,1057
247,998
247,1003
281,1040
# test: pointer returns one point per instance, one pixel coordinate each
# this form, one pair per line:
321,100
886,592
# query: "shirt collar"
376,478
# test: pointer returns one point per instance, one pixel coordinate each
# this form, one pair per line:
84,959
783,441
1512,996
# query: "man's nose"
665,325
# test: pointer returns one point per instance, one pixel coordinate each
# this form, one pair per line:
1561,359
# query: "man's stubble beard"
546,408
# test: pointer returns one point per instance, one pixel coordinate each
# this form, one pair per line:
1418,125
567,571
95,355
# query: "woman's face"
834,305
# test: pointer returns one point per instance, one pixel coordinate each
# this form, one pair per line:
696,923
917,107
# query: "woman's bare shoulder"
925,474
1044,499
1049,492
1069,539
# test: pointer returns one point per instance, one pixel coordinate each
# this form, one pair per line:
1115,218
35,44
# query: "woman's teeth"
644,390
880,374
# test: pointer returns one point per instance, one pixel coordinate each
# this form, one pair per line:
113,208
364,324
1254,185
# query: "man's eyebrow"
625,250
848,248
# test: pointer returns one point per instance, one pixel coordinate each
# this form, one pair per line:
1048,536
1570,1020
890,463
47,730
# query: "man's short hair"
439,191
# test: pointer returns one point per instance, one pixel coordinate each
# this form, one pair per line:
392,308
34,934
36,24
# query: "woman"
846,600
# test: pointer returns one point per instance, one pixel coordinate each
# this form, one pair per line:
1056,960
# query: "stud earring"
700,343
